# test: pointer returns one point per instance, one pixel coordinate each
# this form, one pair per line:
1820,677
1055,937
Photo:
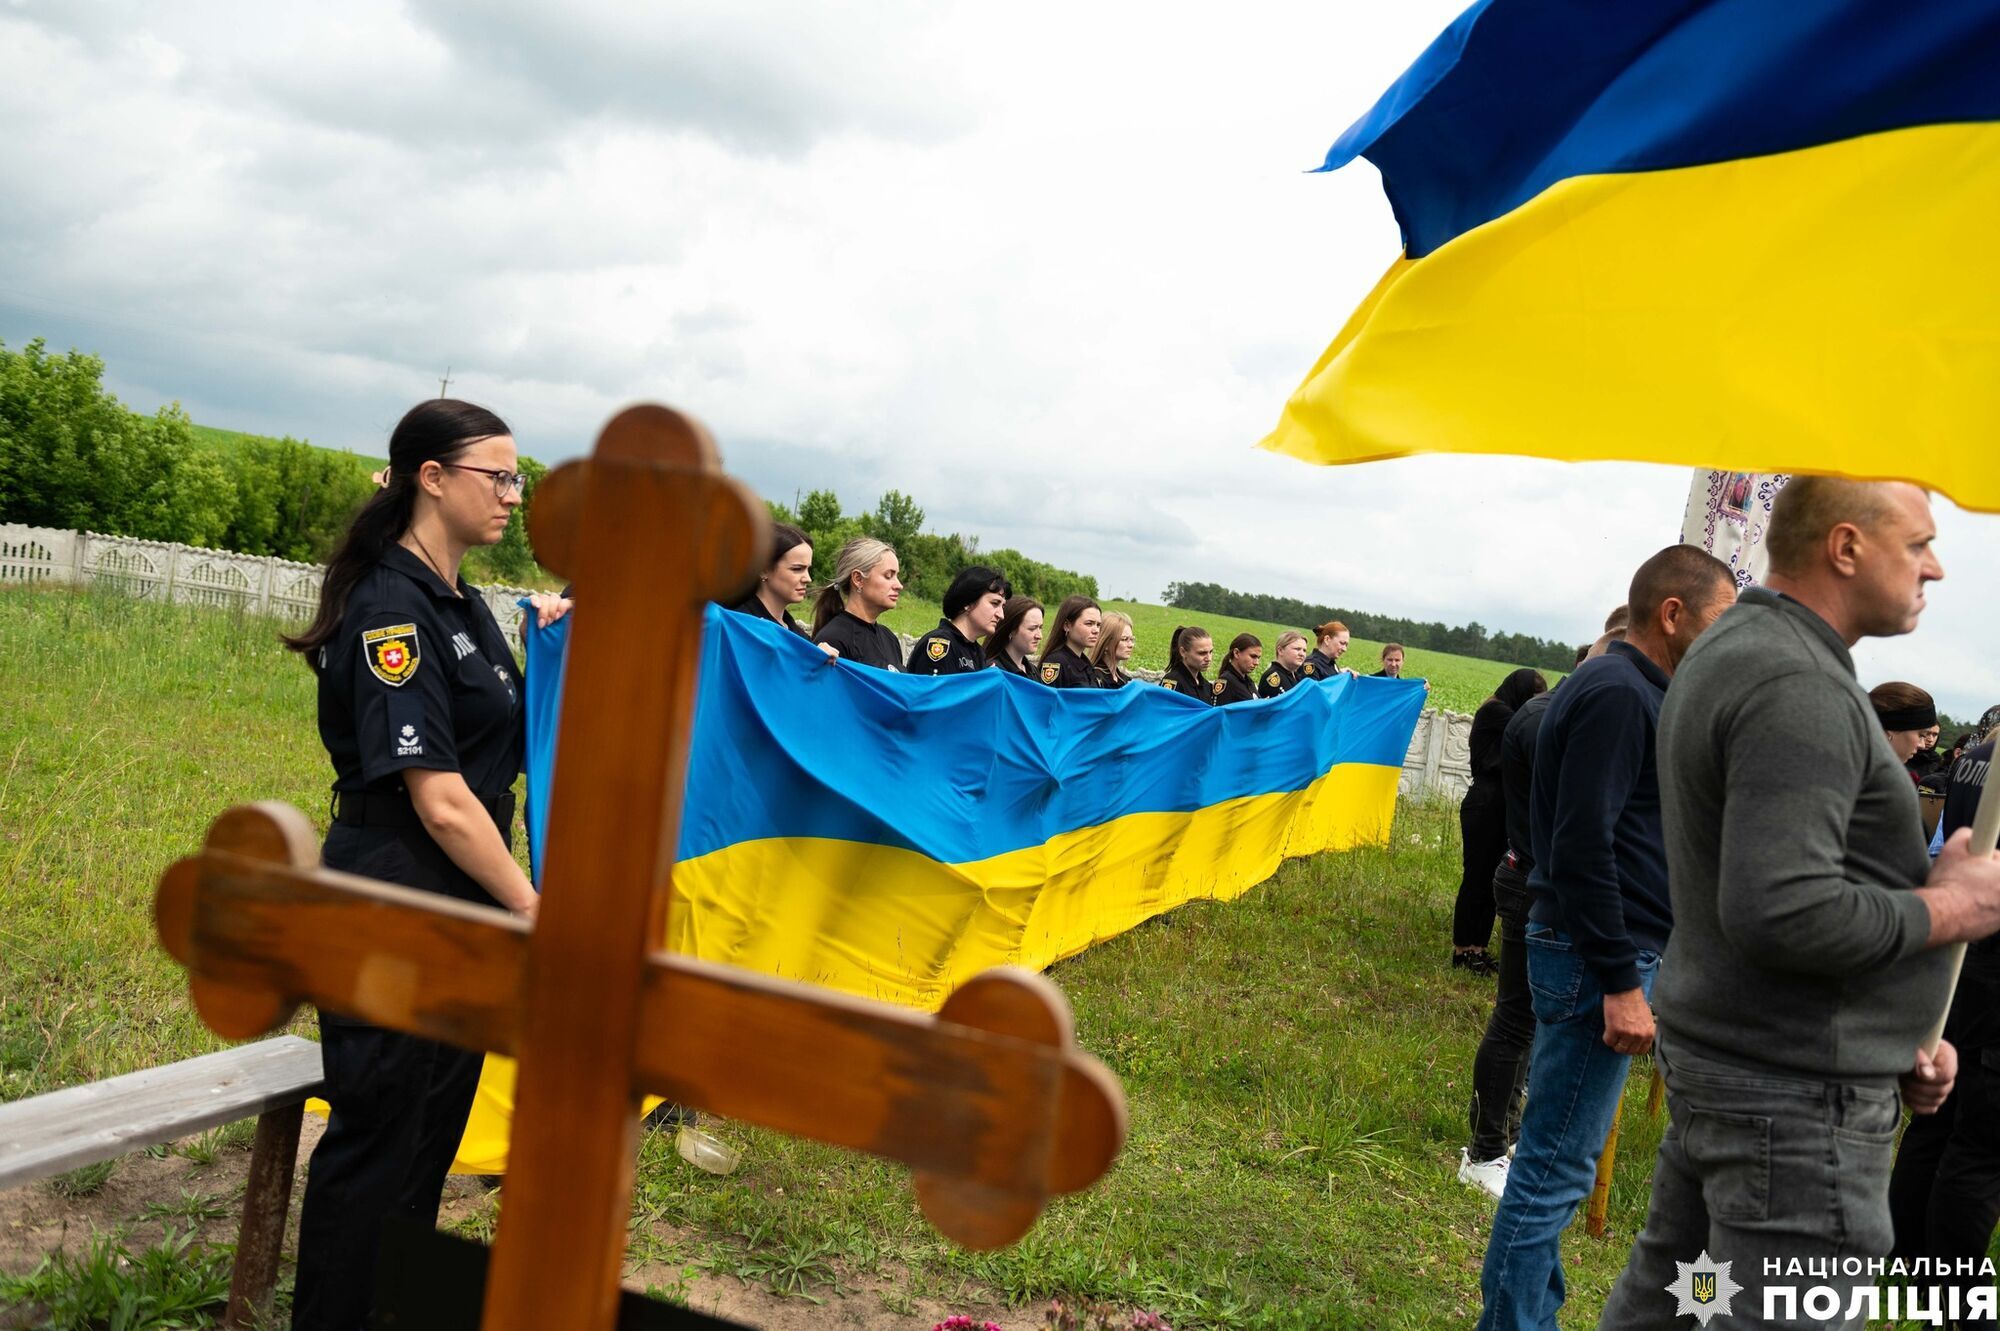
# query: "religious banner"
1727,512
893,835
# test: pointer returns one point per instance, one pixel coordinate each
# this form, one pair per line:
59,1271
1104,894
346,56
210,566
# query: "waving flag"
1738,233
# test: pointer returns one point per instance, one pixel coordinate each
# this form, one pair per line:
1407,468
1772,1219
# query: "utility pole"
445,382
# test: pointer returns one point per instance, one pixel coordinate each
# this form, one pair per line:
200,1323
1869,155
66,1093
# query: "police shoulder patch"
936,648
1309,671
1170,684
1272,679
1216,688
1051,672
392,653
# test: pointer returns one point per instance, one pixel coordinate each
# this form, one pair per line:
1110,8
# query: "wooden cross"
990,1102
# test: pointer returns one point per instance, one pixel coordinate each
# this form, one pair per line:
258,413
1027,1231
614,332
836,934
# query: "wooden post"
267,1200
1656,1095
990,1101
1600,1192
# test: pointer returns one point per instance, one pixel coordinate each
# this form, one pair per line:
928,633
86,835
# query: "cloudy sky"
1052,269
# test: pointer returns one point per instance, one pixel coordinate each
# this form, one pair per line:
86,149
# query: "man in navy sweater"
1598,922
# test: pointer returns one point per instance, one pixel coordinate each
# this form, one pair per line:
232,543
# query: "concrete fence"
1439,760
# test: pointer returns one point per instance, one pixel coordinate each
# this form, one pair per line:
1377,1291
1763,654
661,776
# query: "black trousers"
1482,828
1500,1068
399,1105
1944,1194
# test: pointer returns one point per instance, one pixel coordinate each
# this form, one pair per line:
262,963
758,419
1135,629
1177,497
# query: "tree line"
1461,640
927,560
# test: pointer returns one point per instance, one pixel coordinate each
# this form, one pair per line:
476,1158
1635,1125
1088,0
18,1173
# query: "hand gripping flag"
1725,233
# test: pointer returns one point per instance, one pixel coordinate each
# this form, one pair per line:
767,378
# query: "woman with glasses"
1115,644
420,711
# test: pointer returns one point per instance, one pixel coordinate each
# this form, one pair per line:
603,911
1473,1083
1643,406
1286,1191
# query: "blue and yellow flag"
893,835
1740,233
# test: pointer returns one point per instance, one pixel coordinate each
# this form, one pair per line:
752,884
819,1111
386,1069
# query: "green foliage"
511,560
1460,640
108,1287
896,519
293,500
86,1181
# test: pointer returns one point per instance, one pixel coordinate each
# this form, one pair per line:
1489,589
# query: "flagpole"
1985,838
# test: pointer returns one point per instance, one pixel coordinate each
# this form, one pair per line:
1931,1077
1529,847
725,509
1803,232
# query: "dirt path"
35,1221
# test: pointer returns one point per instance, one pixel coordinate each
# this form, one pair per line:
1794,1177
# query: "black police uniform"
753,606
1007,662
1188,683
1064,669
1275,680
1232,685
945,651
1319,666
415,677
1109,678
861,642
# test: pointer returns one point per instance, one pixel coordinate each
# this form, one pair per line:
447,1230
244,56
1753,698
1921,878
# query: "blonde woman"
1288,658
866,585
1115,642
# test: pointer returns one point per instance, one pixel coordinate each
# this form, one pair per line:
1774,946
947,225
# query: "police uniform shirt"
1231,685
1275,680
861,642
1064,669
1107,679
1319,666
1004,662
753,606
945,651
418,677
1186,682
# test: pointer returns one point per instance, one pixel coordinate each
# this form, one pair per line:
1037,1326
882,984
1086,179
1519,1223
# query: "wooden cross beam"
990,1101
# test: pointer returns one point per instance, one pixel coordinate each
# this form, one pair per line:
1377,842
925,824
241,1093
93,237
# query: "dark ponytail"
436,430
1185,633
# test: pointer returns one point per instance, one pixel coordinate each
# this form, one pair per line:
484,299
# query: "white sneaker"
1489,1176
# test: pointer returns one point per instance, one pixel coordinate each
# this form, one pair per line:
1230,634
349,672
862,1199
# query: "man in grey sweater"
1803,972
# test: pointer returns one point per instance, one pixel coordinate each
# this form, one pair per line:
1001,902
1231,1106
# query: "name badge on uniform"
392,654
937,648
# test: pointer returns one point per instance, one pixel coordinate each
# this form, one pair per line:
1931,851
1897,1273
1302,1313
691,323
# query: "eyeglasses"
503,481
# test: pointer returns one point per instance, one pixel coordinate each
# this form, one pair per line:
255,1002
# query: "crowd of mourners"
1731,874
986,626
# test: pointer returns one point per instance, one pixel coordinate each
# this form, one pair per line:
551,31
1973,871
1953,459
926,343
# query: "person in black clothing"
420,709
783,583
1065,660
1011,647
1944,1192
1115,644
973,605
1287,659
1188,654
1392,661
847,615
1239,667
1324,663
1482,823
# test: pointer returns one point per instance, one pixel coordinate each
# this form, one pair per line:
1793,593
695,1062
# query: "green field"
216,437
1296,1061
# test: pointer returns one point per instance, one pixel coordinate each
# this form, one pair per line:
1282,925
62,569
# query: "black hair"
436,430
784,539
971,584
1244,641
1184,633
1520,686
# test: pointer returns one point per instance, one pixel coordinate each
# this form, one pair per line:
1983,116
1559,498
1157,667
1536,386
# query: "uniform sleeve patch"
1170,684
1216,688
1051,671
392,654
1272,679
1310,672
936,649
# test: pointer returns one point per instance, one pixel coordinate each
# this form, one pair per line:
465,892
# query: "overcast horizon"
1051,272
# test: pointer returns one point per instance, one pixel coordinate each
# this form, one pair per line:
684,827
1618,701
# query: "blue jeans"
1574,1085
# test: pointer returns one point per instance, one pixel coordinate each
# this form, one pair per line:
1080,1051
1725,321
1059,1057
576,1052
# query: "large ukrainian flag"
892,835
1756,233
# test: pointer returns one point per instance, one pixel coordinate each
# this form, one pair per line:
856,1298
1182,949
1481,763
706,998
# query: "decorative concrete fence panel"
1439,761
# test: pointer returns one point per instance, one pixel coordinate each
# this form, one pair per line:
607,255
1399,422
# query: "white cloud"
1051,269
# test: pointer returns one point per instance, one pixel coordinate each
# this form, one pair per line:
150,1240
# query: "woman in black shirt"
1239,667
1286,660
1482,823
1115,642
1012,646
846,617
1066,655
1188,653
419,706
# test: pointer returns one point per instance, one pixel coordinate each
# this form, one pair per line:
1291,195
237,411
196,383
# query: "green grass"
216,437
1296,1061
174,1283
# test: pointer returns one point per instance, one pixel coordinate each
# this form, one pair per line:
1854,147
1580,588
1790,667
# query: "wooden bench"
82,1125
